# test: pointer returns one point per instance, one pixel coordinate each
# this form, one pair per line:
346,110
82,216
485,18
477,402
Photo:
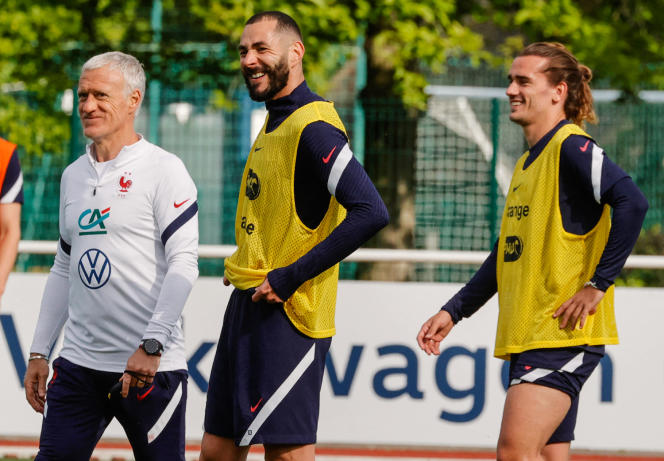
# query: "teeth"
258,75
515,103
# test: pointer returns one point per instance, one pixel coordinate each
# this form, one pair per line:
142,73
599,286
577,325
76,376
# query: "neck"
535,131
296,78
108,148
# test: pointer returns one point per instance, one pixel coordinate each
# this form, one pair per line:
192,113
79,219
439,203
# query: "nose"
512,89
86,105
249,59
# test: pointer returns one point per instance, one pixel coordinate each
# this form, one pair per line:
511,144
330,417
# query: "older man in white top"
126,262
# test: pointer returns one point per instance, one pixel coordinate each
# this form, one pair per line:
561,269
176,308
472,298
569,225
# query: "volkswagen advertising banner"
379,388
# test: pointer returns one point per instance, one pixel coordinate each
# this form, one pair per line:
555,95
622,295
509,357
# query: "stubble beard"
277,80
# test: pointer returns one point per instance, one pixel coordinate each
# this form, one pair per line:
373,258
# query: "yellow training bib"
268,231
540,265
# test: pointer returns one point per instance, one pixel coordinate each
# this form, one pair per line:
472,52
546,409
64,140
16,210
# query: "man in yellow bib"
305,204
554,264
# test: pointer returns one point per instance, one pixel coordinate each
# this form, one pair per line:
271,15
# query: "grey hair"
131,68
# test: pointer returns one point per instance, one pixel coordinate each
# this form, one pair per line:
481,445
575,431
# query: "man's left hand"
140,371
579,307
265,293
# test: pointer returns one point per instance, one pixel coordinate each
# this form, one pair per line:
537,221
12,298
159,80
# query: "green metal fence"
441,172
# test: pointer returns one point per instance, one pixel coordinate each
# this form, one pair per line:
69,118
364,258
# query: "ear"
134,100
295,53
560,92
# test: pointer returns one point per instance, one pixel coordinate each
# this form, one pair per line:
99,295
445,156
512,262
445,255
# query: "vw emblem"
94,269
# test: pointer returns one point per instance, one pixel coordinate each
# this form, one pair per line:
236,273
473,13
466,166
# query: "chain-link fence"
442,173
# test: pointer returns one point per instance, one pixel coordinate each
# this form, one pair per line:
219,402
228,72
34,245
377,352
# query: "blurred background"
418,84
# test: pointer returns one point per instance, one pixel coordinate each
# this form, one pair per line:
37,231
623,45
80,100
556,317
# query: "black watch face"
151,346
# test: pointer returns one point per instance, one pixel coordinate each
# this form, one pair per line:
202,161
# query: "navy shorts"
266,377
78,410
565,369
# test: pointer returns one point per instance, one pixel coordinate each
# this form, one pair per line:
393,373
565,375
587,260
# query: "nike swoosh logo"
178,205
514,190
145,394
258,148
327,159
585,146
253,408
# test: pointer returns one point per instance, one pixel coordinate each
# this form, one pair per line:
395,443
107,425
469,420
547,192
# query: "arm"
463,304
11,198
179,235
332,163
614,187
10,234
53,314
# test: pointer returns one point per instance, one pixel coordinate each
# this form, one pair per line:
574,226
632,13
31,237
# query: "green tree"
44,43
621,40
406,40
402,40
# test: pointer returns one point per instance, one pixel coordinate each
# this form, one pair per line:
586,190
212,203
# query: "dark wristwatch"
152,347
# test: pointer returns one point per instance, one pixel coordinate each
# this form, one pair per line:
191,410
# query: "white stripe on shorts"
166,415
573,364
338,168
278,396
596,171
538,373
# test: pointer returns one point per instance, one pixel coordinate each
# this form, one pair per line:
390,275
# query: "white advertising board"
379,387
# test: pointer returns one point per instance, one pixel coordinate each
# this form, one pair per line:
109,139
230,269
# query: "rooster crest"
125,185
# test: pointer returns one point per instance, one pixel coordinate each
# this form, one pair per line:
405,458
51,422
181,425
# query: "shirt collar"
126,153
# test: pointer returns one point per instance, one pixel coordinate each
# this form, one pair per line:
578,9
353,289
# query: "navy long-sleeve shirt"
319,173
581,200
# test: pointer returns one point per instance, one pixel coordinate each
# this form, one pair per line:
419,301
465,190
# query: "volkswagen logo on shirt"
94,268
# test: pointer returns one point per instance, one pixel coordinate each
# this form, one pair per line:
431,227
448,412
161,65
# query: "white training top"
127,259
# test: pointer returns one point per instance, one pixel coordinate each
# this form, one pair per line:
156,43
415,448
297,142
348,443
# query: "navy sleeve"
334,167
12,186
629,210
481,287
588,181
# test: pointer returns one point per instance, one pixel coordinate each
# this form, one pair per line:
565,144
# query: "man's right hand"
35,384
434,331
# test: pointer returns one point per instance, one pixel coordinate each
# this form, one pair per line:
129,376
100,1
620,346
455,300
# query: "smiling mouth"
257,75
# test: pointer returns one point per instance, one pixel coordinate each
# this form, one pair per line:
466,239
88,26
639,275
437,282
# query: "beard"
277,76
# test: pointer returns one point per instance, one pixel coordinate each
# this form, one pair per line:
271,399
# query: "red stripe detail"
55,375
106,210
142,396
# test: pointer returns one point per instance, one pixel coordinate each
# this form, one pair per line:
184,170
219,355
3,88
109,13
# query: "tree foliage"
43,43
404,38
621,40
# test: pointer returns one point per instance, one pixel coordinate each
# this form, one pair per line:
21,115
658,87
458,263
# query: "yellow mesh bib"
268,231
540,265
